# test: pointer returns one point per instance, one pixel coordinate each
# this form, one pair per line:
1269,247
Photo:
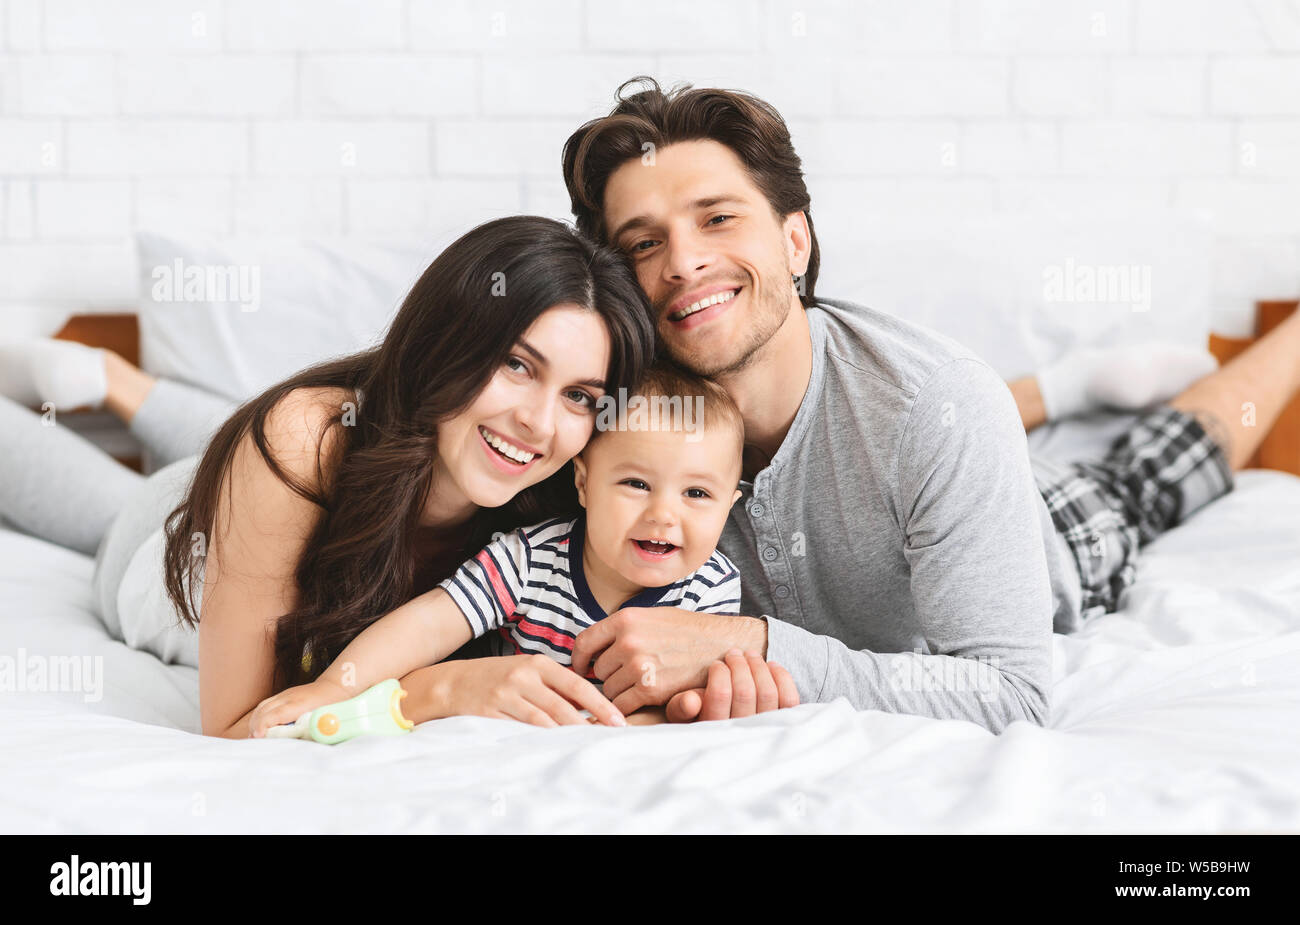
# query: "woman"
346,490
353,486
343,492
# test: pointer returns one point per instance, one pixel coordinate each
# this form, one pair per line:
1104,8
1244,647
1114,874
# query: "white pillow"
1011,287
237,315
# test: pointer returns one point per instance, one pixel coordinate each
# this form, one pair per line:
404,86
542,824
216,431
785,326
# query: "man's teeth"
703,304
509,450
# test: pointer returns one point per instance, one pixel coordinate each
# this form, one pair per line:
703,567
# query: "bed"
1177,714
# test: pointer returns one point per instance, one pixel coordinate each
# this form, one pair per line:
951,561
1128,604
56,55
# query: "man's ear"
580,478
798,242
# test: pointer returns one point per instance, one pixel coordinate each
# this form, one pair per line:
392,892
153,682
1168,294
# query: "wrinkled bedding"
1178,714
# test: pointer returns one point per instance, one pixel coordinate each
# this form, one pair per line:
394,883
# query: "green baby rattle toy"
376,711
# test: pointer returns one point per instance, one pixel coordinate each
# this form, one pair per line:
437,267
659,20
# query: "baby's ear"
580,478
735,497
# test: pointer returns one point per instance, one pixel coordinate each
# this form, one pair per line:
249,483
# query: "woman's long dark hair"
451,335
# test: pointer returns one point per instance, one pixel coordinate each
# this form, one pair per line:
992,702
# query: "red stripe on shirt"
498,584
549,633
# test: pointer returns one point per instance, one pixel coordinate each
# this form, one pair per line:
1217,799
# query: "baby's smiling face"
657,500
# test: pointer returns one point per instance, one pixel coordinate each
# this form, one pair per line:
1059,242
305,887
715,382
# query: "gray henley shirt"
897,543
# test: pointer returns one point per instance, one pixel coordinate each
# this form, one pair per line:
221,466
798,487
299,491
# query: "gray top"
900,515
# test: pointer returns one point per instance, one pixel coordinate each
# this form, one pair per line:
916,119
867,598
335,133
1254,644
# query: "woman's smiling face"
536,412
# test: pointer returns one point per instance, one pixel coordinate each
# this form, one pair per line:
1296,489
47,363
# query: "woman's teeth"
508,450
703,304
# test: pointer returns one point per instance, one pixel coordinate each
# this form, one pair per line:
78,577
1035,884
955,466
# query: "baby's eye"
635,483
697,493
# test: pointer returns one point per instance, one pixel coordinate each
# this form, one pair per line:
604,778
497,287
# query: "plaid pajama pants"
1153,477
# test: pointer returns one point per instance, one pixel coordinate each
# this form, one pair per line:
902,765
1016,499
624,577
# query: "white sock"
1127,377
66,374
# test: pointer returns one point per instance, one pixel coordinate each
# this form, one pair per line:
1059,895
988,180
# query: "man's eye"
715,218
639,246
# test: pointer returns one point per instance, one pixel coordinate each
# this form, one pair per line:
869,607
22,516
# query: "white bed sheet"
1179,714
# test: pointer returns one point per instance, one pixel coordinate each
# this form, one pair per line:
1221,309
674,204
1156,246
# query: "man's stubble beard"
770,312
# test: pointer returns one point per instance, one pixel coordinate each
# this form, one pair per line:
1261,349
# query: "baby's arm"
421,632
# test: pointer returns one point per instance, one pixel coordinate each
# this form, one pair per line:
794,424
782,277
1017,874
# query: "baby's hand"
288,705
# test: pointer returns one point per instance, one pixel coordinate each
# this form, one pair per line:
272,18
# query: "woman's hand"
742,684
288,705
528,688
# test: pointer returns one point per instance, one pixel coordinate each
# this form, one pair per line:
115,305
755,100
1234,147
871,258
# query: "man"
895,545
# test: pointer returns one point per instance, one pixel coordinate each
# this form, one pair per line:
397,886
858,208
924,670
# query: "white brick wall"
421,117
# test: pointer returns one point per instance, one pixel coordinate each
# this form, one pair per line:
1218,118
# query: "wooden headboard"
119,332
1280,450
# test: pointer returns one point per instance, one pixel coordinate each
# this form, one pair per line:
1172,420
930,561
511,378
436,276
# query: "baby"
656,480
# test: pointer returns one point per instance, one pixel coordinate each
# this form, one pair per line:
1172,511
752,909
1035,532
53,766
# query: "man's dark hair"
750,127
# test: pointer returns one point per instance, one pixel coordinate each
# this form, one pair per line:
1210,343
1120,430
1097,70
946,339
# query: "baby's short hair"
687,398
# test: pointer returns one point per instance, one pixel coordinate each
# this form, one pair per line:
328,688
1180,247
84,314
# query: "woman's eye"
514,364
696,493
582,398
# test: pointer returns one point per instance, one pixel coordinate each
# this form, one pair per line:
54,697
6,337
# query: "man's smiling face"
713,258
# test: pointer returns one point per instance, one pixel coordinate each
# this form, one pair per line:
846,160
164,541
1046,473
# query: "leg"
171,419
146,619
127,385
1126,377
55,484
1155,476
174,420
1263,378
1029,402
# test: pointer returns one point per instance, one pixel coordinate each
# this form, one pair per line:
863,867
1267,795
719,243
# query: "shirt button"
757,510
769,553
782,591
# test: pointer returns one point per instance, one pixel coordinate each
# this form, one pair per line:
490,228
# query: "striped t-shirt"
527,591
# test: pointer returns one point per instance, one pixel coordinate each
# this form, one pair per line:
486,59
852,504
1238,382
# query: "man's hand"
645,655
740,685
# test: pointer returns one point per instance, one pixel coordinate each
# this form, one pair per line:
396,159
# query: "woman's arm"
260,530
421,632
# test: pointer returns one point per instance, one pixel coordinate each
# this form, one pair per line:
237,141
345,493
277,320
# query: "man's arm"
973,540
